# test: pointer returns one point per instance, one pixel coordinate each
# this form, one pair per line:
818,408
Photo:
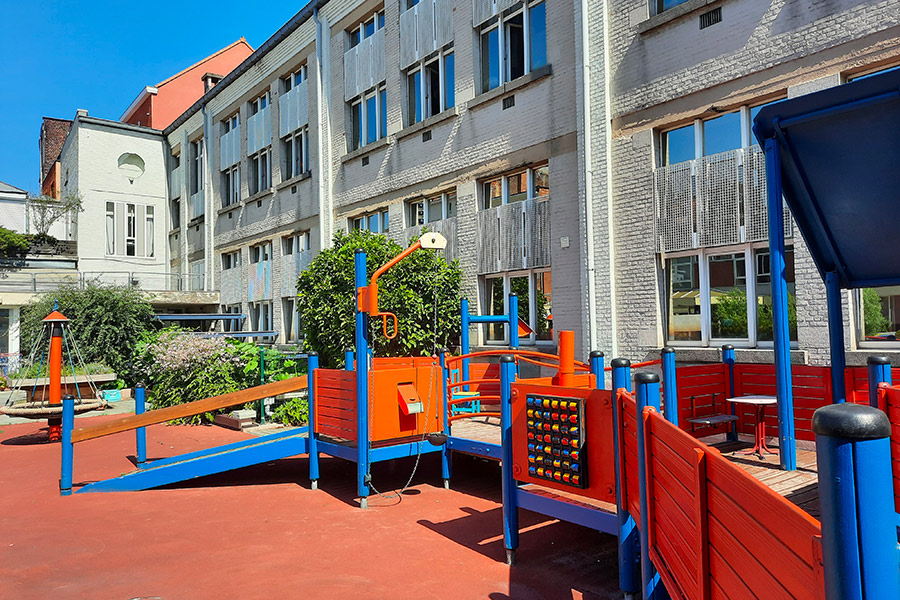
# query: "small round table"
760,402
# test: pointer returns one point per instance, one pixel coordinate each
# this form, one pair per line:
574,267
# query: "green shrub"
327,299
106,321
293,412
12,243
873,317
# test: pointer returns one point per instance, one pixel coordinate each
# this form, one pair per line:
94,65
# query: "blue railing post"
647,394
836,336
670,385
362,387
68,451
140,434
348,359
262,380
514,321
510,502
464,341
312,365
856,498
728,359
597,369
879,372
629,543
445,450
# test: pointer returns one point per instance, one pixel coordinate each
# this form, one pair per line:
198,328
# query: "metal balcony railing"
514,236
446,227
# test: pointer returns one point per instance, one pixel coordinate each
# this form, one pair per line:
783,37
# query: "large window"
515,187
430,209
429,87
196,167
720,295
260,252
130,229
879,316
366,28
261,316
290,81
260,172
376,222
535,294
368,117
295,244
296,153
231,324
290,318
231,260
231,185
513,44
259,104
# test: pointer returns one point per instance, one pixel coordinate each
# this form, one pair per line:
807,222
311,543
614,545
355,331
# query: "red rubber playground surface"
260,532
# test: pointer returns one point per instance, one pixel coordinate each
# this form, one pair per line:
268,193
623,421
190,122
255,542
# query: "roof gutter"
147,91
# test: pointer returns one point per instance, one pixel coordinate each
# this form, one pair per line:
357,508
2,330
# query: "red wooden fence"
893,412
335,395
628,457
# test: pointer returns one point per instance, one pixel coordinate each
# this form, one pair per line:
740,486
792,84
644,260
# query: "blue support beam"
728,359
140,434
362,386
879,371
580,514
312,365
475,448
629,541
510,508
835,336
445,407
670,385
67,449
647,395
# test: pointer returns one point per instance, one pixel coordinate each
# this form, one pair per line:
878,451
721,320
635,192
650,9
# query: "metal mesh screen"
488,241
512,236
537,233
674,198
719,190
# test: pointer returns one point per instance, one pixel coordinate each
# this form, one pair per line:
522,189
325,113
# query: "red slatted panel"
767,542
629,462
336,403
386,362
696,386
893,404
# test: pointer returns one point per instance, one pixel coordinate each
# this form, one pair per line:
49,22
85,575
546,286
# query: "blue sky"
98,55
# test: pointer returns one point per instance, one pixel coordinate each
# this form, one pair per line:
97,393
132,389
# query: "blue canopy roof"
840,169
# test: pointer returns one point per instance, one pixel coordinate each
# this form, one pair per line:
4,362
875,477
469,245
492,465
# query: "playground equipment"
56,327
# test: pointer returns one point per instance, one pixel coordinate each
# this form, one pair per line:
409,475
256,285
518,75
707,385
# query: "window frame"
128,213
357,140
507,277
196,174
290,152
231,260
259,103
357,33
448,206
261,252
417,112
501,23
231,185
362,220
531,187
260,176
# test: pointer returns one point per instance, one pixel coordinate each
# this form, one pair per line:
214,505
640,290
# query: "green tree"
875,321
729,314
519,287
327,299
12,243
106,321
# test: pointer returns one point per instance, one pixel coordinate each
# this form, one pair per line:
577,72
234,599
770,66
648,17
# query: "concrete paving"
261,532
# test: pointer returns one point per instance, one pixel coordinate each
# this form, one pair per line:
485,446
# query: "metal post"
670,385
262,380
445,450
362,387
348,359
629,543
510,502
647,388
68,451
513,321
597,369
780,322
140,434
728,359
879,372
312,362
836,336
859,539
566,374
464,342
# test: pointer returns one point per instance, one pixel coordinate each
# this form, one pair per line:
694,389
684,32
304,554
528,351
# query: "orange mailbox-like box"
563,439
406,398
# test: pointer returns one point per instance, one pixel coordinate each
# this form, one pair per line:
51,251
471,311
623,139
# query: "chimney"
209,80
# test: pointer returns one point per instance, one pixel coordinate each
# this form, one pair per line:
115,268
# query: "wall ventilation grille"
711,18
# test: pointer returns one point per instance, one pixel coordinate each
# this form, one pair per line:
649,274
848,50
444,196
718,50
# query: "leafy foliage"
729,315
106,321
327,299
47,210
12,243
875,321
765,323
293,412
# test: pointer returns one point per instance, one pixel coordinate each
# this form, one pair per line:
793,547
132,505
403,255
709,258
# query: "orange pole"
567,358
55,365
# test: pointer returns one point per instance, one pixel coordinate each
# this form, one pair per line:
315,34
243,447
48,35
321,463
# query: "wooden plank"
725,579
189,409
701,525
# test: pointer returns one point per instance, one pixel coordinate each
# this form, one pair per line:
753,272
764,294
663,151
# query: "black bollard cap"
596,353
644,377
618,363
360,250
852,421
507,358
312,353
667,350
140,385
68,397
727,347
346,350
878,360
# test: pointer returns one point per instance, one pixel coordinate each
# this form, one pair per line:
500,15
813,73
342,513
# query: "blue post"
464,341
362,387
68,423
647,385
140,434
510,502
728,359
513,321
670,385
879,372
859,536
313,364
597,369
262,380
629,543
445,451
780,323
348,359
835,336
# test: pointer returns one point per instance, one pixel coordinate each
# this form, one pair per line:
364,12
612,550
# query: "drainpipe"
208,224
608,161
323,165
589,182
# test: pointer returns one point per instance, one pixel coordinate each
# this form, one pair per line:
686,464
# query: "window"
260,252
513,44
130,229
429,87
293,79
196,175
231,260
231,324
259,104
290,318
376,222
231,185
231,123
296,153
261,316
534,292
197,275
663,5
433,208
260,172
879,316
368,118
721,295
366,28
294,244
175,210
515,187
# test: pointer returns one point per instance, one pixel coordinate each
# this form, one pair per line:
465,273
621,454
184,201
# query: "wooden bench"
712,420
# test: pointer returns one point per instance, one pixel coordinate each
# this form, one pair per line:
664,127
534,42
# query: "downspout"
610,201
588,181
323,139
209,226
